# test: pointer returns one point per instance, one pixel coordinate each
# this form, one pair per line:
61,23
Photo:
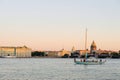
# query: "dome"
93,44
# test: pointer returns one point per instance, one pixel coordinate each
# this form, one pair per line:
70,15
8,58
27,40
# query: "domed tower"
73,49
93,48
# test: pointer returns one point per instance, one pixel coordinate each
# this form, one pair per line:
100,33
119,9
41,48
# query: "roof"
12,47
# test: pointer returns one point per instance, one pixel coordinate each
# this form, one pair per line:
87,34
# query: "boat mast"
86,43
86,39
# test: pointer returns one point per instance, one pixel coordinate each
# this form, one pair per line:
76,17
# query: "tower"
73,49
93,48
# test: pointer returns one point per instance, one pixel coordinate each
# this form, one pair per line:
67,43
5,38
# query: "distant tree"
37,53
75,55
115,55
103,55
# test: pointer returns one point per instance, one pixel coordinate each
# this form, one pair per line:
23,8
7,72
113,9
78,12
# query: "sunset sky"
57,24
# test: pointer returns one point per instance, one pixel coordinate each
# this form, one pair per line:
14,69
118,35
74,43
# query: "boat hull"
89,63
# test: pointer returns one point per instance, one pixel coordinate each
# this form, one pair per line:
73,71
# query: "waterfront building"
15,51
83,52
63,52
93,50
52,53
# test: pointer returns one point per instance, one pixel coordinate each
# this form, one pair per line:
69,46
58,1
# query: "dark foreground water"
57,69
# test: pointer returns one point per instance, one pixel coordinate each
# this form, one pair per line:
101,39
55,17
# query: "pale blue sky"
57,24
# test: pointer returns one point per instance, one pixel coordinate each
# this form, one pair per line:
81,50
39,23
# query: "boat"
8,56
90,60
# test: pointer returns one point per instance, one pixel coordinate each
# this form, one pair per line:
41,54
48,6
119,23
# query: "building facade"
52,54
63,52
20,52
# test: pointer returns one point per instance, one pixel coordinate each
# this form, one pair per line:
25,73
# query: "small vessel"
8,56
91,60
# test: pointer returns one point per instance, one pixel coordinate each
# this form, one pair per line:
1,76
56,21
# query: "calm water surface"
57,69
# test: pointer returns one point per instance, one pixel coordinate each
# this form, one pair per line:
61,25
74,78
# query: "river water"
56,69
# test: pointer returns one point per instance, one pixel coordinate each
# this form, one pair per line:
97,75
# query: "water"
57,69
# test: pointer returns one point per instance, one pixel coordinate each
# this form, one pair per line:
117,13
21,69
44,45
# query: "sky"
57,24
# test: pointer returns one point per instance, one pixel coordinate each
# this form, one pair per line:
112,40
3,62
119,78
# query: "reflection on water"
57,69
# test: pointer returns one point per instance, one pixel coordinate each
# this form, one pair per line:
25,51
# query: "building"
83,52
63,52
92,51
52,54
73,49
93,48
22,52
